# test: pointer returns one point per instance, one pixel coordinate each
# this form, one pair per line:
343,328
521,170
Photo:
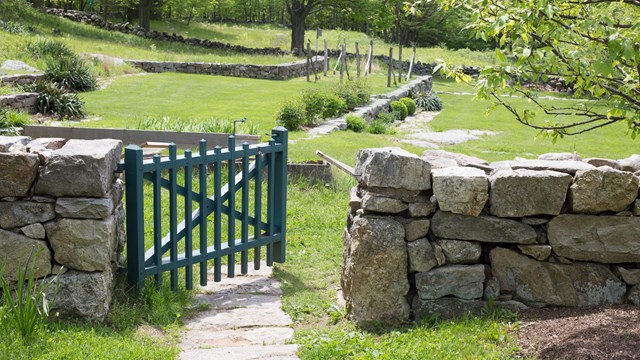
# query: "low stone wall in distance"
61,211
267,72
443,233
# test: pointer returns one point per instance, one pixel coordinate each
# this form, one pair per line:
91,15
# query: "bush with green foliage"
10,120
314,102
355,93
56,100
43,48
377,127
292,114
410,104
356,123
428,101
11,27
399,108
386,117
334,105
70,72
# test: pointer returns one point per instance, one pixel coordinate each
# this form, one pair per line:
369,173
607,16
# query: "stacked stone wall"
267,72
442,234
61,215
25,102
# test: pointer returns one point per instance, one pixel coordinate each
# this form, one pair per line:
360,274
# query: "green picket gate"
235,206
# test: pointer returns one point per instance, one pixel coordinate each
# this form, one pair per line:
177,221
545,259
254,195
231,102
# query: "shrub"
11,27
400,108
334,105
356,123
377,127
292,114
386,117
314,105
71,73
55,100
42,48
428,101
355,93
11,119
410,104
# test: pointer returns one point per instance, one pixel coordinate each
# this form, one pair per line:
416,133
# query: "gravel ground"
581,333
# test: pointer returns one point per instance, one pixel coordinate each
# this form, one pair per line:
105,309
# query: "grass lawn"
199,97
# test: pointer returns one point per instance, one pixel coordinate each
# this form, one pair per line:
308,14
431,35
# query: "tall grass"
25,306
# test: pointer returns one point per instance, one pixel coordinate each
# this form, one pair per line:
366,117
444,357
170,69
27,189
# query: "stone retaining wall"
444,233
22,79
268,72
61,210
25,102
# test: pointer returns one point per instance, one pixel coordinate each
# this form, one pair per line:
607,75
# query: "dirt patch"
574,333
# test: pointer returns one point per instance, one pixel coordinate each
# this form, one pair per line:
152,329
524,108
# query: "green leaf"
500,55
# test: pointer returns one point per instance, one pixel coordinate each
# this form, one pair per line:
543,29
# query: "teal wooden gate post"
281,137
134,176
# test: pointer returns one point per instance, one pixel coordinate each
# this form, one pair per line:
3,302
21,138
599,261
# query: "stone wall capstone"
553,231
61,214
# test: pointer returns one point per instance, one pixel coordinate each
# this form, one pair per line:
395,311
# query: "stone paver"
243,321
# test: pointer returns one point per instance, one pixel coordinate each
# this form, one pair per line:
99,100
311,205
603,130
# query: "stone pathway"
244,320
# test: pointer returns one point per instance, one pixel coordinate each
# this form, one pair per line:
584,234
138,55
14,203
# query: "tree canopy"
594,45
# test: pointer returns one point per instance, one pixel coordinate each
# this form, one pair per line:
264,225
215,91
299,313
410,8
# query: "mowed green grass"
276,36
129,99
513,139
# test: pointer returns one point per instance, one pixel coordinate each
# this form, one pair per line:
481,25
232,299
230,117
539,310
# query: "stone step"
272,352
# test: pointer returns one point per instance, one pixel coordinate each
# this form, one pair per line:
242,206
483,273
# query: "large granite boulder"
603,189
81,295
86,245
374,270
519,193
88,164
21,213
605,239
462,281
18,252
538,283
461,190
393,168
18,173
484,228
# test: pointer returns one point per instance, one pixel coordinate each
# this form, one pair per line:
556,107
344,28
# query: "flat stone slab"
243,285
233,300
230,338
273,352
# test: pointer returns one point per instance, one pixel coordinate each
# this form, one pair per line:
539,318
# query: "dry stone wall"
25,102
268,72
442,233
61,212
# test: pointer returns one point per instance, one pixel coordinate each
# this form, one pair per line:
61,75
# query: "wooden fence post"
357,60
343,61
370,55
326,58
400,64
390,67
308,58
413,58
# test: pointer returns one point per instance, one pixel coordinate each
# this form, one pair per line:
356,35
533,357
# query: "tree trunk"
145,14
297,33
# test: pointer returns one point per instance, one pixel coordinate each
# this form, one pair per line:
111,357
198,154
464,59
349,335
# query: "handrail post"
281,136
134,177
